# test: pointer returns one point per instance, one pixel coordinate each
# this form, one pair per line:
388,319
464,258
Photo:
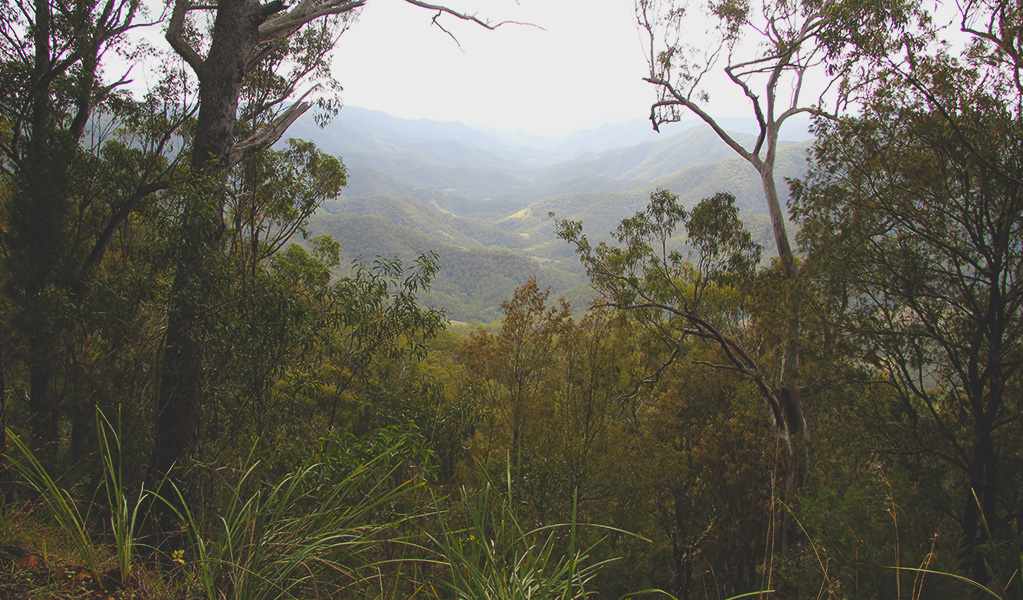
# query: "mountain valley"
482,200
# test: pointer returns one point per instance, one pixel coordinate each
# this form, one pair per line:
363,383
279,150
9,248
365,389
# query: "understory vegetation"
198,401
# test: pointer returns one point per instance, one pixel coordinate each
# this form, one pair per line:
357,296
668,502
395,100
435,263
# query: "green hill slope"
471,284
601,212
429,220
484,206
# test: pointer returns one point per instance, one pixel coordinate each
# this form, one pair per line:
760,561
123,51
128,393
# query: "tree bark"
980,503
5,474
38,220
221,75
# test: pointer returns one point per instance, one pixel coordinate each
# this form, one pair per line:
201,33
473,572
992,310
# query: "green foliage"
125,509
489,553
312,531
676,290
62,506
273,194
913,213
302,354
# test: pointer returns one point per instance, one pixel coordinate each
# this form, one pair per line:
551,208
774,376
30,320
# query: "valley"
482,200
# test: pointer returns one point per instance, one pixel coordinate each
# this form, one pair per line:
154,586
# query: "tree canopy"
198,400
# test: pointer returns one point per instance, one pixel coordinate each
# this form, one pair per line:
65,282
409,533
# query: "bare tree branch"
679,100
176,36
460,15
269,134
304,12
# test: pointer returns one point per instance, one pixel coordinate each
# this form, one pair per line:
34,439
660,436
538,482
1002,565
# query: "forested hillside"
472,280
243,358
462,190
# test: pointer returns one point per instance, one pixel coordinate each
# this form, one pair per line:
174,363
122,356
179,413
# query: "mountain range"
481,199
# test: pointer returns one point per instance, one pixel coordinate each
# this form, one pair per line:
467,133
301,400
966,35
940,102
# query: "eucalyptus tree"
249,58
682,273
916,209
72,185
783,59
685,276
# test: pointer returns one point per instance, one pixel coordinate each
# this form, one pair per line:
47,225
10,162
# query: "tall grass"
493,556
62,506
309,535
123,509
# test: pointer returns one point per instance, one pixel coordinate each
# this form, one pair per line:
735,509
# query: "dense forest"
200,401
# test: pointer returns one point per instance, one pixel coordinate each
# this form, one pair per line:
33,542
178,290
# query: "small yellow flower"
178,556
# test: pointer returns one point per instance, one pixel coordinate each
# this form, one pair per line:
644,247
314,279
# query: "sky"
557,66
579,65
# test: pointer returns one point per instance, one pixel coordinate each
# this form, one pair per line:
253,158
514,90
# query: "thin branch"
757,110
679,100
719,366
176,36
105,237
656,375
463,16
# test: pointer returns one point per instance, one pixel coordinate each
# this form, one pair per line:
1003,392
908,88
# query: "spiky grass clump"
310,534
493,556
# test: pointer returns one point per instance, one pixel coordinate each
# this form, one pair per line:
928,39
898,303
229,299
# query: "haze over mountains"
481,199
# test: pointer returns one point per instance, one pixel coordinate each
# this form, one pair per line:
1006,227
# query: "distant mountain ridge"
483,197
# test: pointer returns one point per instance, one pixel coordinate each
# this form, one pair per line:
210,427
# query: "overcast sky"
585,67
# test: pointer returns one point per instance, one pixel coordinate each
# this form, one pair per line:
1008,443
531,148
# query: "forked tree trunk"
793,428
180,400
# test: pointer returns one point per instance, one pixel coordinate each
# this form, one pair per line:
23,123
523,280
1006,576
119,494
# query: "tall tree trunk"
980,503
38,221
5,475
793,429
180,399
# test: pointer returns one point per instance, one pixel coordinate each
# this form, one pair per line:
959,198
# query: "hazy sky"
585,67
